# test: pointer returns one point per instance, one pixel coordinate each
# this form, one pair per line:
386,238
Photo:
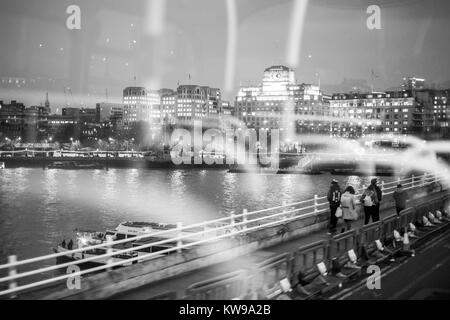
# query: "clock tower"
277,78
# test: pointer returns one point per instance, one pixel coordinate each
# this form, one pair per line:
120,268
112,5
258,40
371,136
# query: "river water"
38,208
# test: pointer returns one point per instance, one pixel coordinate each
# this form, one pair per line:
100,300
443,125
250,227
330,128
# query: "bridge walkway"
178,284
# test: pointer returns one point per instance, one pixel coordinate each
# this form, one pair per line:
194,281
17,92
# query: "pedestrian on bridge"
369,199
379,194
400,196
348,205
334,199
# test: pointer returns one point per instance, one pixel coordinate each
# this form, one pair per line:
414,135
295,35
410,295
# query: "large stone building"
140,105
388,112
418,111
197,102
17,121
436,105
279,102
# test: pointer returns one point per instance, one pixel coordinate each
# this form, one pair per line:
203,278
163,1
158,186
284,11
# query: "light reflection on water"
41,207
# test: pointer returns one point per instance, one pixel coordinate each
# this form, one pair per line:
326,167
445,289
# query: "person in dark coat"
379,193
334,199
63,243
369,200
400,196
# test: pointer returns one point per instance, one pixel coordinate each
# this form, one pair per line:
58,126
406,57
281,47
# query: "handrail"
245,223
146,256
152,235
160,233
144,246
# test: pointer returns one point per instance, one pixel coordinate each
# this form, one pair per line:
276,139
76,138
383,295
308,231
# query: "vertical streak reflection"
231,45
295,32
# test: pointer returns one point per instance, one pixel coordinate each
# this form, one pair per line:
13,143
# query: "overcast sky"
112,46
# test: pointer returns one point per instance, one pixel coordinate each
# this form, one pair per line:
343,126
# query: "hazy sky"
112,46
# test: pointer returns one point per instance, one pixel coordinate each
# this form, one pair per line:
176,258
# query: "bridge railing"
185,237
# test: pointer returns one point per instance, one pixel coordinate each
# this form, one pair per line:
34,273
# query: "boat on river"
153,232
74,165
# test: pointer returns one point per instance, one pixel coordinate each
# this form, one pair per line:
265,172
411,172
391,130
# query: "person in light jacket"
348,206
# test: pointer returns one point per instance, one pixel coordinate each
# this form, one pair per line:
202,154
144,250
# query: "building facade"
197,102
279,102
397,112
140,105
168,105
63,128
26,123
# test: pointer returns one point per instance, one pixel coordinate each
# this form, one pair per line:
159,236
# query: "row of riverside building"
279,102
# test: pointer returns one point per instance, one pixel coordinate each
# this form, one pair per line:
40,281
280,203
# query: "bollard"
109,250
180,233
316,204
12,272
244,219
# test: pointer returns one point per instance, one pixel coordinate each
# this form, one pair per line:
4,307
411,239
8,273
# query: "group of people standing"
370,200
347,203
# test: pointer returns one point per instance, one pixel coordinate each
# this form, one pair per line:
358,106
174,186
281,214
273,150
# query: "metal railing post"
424,179
412,180
382,185
12,272
180,233
244,219
283,203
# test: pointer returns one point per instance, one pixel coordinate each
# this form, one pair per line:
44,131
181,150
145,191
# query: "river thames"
39,208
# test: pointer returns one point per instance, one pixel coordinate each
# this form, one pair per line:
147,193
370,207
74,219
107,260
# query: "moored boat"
74,165
154,232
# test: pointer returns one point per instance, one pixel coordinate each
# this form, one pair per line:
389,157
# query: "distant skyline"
112,47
